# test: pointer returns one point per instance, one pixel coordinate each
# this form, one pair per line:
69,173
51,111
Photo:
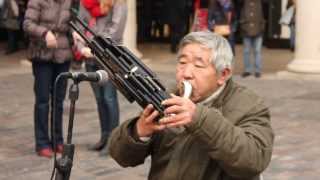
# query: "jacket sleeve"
243,149
81,14
124,148
32,18
115,29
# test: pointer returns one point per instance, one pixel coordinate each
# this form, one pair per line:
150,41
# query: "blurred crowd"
182,16
238,20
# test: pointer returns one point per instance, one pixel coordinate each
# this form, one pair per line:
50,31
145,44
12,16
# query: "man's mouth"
185,89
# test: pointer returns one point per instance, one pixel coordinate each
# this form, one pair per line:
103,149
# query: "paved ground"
294,104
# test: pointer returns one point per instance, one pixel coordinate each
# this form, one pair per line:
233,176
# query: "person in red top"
107,18
201,15
96,10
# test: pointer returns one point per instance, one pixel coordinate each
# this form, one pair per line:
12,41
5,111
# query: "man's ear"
224,76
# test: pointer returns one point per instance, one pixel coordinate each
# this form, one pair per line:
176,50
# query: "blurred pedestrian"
252,26
200,20
10,21
220,14
46,22
108,19
22,4
292,24
234,25
176,15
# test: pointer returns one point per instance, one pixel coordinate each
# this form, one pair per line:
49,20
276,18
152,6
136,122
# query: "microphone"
100,76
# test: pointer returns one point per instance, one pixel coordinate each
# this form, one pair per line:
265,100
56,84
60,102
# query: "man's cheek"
179,78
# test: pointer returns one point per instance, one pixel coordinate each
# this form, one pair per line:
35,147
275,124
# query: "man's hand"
180,111
147,125
51,40
86,52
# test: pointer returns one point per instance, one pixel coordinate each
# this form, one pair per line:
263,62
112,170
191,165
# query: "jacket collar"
224,95
213,96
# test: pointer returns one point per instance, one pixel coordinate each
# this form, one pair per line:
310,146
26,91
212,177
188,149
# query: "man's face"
195,67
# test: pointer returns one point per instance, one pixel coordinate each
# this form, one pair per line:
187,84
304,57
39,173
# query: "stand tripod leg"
64,164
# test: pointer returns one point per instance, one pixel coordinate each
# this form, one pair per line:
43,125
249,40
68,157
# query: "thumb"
173,95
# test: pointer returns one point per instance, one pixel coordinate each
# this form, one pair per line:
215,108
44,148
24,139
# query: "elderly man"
222,132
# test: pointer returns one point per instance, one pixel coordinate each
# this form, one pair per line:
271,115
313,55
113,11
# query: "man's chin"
195,99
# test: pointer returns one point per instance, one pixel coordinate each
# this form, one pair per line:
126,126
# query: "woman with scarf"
107,18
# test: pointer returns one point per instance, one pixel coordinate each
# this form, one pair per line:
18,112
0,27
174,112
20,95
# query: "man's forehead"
196,52
195,48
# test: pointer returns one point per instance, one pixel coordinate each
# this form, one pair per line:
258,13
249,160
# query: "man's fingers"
176,124
173,101
173,95
147,110
151,117
179,120
174,109
174,118
159,127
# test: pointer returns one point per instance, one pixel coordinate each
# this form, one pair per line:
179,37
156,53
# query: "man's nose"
188,71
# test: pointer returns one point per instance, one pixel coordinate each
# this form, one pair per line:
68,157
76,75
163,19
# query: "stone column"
130,33
307,52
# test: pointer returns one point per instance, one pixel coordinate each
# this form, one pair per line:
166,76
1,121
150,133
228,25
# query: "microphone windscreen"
104,77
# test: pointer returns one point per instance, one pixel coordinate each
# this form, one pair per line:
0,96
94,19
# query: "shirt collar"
213,96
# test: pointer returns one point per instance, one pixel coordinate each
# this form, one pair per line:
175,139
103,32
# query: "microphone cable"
53,126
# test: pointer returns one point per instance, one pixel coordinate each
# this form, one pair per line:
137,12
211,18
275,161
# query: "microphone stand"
64,164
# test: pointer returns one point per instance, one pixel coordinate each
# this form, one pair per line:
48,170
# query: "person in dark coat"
176,13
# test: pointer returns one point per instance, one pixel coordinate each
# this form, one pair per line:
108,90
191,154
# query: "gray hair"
221,53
